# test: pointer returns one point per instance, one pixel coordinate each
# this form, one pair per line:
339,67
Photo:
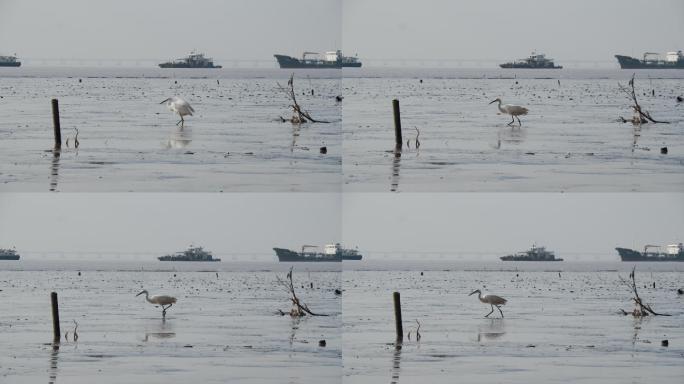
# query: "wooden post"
55,317
55,124
397,124
397,317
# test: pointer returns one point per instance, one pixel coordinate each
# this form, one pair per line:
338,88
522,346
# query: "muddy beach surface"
222,328
555,330
570,140
129,142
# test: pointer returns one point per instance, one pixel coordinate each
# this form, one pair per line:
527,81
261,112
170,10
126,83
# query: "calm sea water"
561,322
225,325
570,140
129,142
557,327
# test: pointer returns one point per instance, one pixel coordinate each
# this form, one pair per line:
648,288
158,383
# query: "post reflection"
396,165
54,357
54,169
396,363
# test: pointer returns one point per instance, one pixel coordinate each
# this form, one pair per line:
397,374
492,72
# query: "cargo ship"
194,60
652,60
8,254
191,254
9,61
673,252
533,254
535,61
331,252
331,59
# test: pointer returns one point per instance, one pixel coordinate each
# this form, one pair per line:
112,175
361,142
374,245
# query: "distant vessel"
331,252
652,60
331,59
194,60
8,254
9,61
534,61
673,252
533,254
191,254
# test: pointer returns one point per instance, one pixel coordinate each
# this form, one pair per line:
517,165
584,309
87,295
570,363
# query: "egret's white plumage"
180,106
493,300
164,301
513,110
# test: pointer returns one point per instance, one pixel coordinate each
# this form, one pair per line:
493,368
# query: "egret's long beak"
475,290
165,101
493,101
139,293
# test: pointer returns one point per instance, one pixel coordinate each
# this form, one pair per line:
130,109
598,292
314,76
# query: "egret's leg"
512,120
519,122
487,315
499,308
182,121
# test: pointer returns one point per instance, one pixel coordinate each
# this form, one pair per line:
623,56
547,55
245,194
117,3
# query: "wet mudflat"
222,328
555,329
570,140
129,142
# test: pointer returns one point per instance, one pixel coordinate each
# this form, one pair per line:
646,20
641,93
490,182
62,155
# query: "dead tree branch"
642,308
299,309
640,116
299,115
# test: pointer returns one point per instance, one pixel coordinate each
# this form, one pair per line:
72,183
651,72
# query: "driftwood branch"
641,116
299,115
299,309
642,309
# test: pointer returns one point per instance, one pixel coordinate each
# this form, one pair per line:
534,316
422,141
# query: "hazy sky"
498,223
236,223
485,29
376,29
164,29
167,222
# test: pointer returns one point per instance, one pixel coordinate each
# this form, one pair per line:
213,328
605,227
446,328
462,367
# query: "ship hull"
632,255
9,257
505,258
14,64
198,261
525,66
292,256
291,62
172,65
627,62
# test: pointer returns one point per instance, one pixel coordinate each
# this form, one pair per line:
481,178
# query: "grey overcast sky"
498,223
376,29
167,222
496,29
135,29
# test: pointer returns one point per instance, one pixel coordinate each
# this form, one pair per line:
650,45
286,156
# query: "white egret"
493,300
164,301
513,110
180,106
